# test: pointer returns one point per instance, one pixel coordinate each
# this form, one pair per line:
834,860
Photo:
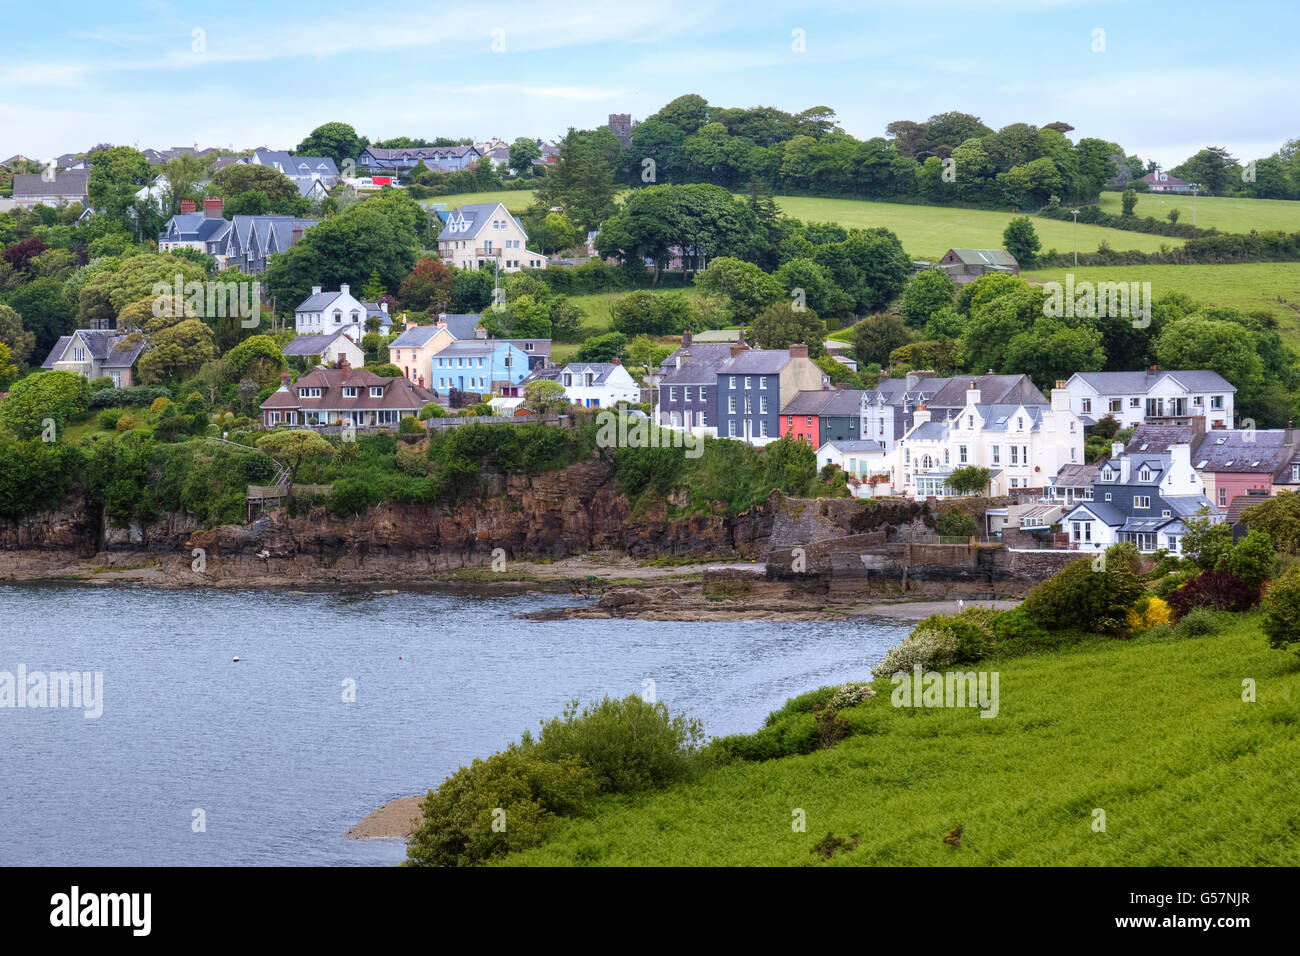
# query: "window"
945,456
961,454
686,393
762,407
1141,501
762,428
1020,423
1216,402
1015,482
1144,474
731,404
762,384
1295,472
1223,497
789,421
1114,405
1086,405
731,428
376,391
1134,403
1198,400
1073,453
672,394
349,391
1108,496
970,421
1072,426
731,380
997,454
1015,455
703,395
749,383
810,421
79,355
1166,513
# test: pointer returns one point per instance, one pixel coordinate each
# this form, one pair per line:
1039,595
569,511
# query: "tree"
969,480
522,153
747,287
1172,215
877,336
1281,606
1021,240
925,294
8,368
291,448
57,396
649,313
1279,518
581,182
257,357
804,279
116,175
1128,201
1251,559
543,396
177,351
779,326
1206,541
339,141
245,186
46,310
374,288
603,348
1224,347
427,288
18,339
1212,167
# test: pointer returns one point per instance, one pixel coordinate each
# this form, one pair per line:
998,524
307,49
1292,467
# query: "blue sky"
1172,78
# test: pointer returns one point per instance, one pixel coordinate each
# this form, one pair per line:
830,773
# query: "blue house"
478,365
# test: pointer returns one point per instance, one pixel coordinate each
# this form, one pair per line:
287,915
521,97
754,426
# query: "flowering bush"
1147,613
846,695
929,647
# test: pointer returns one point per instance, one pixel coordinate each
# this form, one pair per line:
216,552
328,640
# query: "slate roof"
414,338
698,353
602,369
398,392
1159,437
311,344
297,167
756,362
807,402
985,257
1077,476
994,390
1103,511
691,373
69,183
1228,451
477,215
849,445
1135,383
101,344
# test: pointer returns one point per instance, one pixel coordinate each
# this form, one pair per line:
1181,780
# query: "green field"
1153,731
1248,286
927,232
1226,215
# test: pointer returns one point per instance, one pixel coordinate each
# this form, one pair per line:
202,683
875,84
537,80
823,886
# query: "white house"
859,459
1022,445
1142,497
598,384
479,234
328,348
326,312
1133,397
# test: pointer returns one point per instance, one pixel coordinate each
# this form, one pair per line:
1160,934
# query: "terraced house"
244,242
753,386
486,235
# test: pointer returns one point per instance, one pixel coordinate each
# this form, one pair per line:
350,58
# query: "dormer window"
1144,475
376,391
349,391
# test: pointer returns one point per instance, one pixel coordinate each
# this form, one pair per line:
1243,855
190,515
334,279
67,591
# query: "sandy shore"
396,818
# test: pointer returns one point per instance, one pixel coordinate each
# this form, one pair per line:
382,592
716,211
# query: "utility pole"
1195,187
1075,214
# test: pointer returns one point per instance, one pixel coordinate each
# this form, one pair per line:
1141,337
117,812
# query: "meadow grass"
926,232
1153,731
1222,213
1248,286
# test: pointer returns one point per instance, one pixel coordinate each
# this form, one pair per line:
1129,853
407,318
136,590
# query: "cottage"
64,188
598,384
967,265
326,348
374,159
338,312
1160,181
344,395
98,353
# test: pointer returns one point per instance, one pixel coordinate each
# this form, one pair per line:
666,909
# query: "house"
326,348
1140,497
598,384
1031,519
476,365
1132,398
1022,445
414,349
340,311
753,386
707,351
356,396
374,159
1073,482
482,234
67,187
857,458
97,353
1160,181
243,243
688,394
494,149
824,415
1233,463
300,169
967,265
548,373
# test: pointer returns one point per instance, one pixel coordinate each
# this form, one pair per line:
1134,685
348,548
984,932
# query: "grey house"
688,397
97,353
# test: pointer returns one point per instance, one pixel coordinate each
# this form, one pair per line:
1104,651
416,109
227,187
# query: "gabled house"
298,168
483,235
65,188
1022,445
857,458
375,159
825,415
327,312
1160,181
477,365
243,243
599,384
98,353
1235,463
688,394
332,396
415,350
327,348
1132,398
967,265
1142,498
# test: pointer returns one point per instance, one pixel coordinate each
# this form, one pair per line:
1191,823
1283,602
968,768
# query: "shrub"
1148,612
412,460
1218,590
458,825
409,426
1251,558
629,744
1015,632
1199,622
1170,582
955,523
351,496
159,404
108,418
1281,624
432,410
1078,596
125,423
847,695
931,648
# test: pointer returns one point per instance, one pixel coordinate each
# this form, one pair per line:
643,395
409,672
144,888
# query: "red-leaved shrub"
1218,590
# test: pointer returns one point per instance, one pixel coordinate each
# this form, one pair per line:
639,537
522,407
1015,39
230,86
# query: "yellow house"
479,234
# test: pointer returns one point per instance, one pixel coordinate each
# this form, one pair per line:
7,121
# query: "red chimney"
187,205
798,351
343,362
212,206
617,360
736,349
421,381
686,339
284,379
297,233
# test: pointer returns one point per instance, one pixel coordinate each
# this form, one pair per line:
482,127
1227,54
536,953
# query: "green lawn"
516,200
1152,731
595,307
1227,215
927,232
1248,286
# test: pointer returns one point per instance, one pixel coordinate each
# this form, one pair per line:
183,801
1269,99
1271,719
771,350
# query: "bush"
1015,632
1251,558
410,426
629,744
930,648
458,825
1166,585
351,496
159,404
955,523
1199,622
134,395
108,418
125,423
432,410
1148,612
1218,590
1281,624
1080,597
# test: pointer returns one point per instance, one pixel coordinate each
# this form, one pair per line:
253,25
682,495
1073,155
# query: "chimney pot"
343,289
284,379
188,205
686,339
212,206
315,290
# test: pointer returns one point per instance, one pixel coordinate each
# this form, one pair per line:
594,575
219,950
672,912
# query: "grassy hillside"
925,231
1227,215
516,200
1153,731
1274,286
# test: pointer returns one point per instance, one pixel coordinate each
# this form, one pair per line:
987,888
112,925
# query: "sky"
1162,79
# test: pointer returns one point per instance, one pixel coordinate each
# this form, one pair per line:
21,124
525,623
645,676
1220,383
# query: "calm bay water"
268,749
